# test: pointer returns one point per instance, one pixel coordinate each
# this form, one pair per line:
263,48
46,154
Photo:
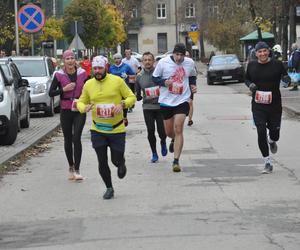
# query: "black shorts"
272,120
114,141
169,112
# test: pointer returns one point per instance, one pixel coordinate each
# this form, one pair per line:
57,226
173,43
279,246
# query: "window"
161,11
133,42
134,12
190,10
162,44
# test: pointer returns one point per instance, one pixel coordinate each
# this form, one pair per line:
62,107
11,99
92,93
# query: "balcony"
135,23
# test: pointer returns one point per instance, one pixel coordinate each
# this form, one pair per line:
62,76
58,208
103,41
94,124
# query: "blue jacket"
122,71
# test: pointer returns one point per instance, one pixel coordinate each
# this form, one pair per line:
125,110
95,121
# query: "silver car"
38,70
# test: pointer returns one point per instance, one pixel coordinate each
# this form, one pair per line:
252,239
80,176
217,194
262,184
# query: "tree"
7,23
100,23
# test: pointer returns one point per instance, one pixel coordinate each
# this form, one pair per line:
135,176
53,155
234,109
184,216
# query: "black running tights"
72,124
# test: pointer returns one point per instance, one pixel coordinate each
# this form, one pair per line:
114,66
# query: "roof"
253,36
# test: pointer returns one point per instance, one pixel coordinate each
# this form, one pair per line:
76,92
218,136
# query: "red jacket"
87,66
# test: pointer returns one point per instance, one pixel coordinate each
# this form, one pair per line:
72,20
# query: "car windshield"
31,68
218,60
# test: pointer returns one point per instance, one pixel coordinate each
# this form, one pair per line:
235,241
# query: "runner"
122,70
263,79
151,107
173,74
86,65
107,95
68,83
135,66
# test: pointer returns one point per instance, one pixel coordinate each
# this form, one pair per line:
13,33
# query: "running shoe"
164,150
190,123
273,147
78,176
268,168
154,157
122,171
109,193
176,167
171,146
71,173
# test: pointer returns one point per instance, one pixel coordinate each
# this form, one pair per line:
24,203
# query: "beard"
100,76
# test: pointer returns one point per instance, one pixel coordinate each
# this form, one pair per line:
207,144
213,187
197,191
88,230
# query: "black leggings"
267,120
117,158
72,124
152,116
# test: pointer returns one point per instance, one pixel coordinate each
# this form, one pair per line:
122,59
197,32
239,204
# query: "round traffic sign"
31,18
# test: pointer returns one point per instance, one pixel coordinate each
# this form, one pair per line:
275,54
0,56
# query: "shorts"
168,112
272,120
114,141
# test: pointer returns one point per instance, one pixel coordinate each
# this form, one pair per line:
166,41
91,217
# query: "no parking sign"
31,18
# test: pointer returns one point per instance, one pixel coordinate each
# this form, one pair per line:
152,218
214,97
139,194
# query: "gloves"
253,87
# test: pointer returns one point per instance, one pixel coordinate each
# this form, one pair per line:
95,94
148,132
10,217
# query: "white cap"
98,61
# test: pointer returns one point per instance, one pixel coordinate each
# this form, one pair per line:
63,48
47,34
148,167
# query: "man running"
124,71
263,79
107,95
151,107
175,74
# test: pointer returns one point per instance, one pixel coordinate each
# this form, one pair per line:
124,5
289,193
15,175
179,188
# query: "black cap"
261,45
179,48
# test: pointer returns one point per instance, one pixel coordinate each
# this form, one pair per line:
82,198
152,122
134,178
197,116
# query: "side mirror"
25,83
9,82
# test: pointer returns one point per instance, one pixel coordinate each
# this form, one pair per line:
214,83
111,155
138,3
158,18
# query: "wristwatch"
123,104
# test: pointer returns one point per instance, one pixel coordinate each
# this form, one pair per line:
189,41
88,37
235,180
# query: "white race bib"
152,92
263,97
74,105
105,110
176,88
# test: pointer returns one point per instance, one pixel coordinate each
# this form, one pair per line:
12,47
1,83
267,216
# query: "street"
220,200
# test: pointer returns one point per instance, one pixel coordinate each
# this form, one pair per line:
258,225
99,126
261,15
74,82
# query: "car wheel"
50,109
57,109
26,121
12,131
209,82
18,120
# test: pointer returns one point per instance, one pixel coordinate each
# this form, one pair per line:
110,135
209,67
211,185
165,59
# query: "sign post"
31,19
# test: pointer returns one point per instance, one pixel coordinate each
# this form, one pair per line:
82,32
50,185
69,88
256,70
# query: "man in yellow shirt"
107,95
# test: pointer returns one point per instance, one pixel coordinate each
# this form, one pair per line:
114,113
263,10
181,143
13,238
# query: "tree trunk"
253,15
285,11
292,22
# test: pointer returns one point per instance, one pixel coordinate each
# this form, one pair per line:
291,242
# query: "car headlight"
1,96
39,88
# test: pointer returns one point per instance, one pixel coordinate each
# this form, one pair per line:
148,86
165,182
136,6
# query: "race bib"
263,97
74,105
152,92
105,110
176,88
131,78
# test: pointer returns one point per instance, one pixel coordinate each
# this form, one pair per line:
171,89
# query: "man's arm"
84,100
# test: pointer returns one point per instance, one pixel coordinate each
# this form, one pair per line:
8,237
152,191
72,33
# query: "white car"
38,70
138,56
158,57
8,118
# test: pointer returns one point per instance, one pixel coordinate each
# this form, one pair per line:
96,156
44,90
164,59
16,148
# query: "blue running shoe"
154,157
164,150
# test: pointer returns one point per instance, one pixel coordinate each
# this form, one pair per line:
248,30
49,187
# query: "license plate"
226,77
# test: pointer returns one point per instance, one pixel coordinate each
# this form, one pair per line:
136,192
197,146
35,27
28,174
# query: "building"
158,25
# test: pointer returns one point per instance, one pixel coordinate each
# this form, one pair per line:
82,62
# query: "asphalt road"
219,201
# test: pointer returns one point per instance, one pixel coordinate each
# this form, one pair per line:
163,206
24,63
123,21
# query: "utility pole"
54,41
17,28
176,22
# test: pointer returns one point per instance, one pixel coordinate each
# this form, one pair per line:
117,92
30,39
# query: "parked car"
38,70
138,56
225,68
158,57
14,102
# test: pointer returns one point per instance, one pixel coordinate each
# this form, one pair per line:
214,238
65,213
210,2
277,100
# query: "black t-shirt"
267,78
